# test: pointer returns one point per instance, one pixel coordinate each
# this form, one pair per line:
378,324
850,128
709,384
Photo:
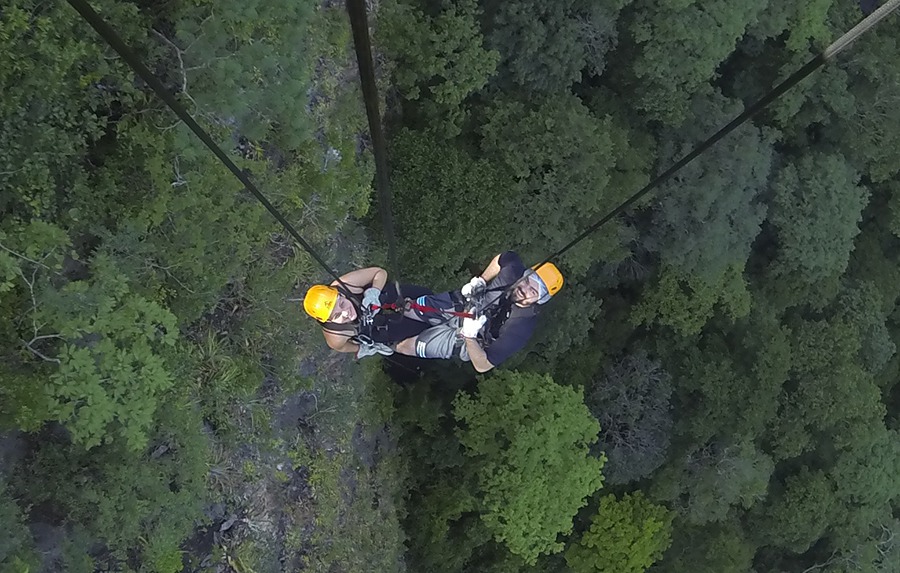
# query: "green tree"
803,23
865,477
861,304
57,88
92,338
728,383
246,64
879,553
677,47
528,440
110,340
815,212
562,158
800,112
564,324
135,502
546,45
445,198
444,535
846,106
709,214
706,482
440,59
17,553
828,386
797,516
686,302
867,132
717,548
873,260
174,246
626,536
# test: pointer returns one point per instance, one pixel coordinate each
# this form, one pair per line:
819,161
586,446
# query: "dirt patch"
369,447
295,412
225,317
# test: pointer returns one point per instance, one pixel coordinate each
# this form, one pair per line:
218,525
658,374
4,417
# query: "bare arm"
476,353
492,270
361,279
478,356
340,342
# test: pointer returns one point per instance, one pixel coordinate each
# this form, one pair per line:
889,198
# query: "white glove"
472,326
473,287
371,298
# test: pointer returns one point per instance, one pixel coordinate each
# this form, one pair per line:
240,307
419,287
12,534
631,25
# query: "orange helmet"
550,276
319,301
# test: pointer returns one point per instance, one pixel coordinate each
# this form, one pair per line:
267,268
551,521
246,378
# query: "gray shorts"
442,341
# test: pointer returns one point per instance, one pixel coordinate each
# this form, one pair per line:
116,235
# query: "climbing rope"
865,25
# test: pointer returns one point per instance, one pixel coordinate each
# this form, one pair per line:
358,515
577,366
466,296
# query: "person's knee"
407,347
435,342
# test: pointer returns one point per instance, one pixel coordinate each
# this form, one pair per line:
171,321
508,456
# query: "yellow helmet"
551,277
319,301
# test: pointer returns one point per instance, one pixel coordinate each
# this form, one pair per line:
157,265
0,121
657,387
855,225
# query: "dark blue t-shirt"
509,326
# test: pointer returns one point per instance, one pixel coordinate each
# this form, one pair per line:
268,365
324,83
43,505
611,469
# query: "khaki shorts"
442,341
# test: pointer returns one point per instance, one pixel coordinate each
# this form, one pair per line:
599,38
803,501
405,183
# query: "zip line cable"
357,12
865,25
107,33
359,23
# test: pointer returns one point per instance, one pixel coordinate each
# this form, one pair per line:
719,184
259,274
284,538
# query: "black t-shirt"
387,327
509,326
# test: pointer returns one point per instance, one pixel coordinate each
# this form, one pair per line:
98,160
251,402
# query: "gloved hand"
371,298
367,348
473,287
471,326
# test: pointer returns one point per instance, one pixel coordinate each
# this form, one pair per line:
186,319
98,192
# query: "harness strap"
423,308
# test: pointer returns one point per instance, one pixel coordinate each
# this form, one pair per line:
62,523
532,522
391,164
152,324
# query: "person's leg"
440,302
411,291
407,346
436,342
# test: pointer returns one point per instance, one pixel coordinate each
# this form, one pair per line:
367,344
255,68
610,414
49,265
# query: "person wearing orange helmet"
505,299
349,312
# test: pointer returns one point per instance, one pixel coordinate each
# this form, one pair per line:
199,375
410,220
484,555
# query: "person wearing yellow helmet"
505,299
341,308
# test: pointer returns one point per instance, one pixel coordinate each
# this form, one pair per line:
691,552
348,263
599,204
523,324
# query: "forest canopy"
713,390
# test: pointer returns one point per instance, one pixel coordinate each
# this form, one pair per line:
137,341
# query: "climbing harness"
409,304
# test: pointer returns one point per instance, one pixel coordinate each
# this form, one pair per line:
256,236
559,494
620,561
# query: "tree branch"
38,353
170,275
24,258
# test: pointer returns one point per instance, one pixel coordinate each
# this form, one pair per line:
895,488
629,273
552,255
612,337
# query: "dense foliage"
743,366
713,391
143,294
